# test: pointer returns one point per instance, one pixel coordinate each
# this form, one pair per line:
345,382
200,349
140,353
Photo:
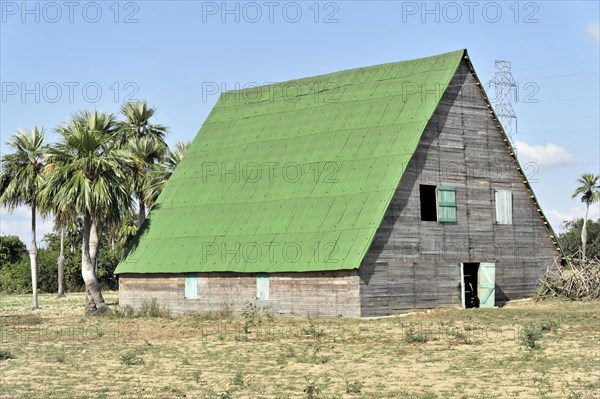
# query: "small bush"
131,359
153,309
4,355
123,312
196,376
462,338
254,316
225,395
311,390
549,326
312,356
354,387
412,336
238,380
530,335
311,330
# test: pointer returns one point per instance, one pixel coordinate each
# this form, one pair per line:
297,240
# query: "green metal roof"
294,176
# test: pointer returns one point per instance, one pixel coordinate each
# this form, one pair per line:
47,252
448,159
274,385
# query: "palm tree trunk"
584,232
141,211
33,258
94,245
94,299
61,264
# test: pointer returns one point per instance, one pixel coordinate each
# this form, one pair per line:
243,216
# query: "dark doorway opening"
428,203
470,283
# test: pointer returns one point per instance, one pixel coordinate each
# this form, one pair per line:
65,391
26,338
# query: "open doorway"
470,283
478,284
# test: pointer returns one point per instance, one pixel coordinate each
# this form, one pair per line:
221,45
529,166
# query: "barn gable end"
415,264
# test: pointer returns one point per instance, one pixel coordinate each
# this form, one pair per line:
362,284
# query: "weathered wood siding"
413,264
323,294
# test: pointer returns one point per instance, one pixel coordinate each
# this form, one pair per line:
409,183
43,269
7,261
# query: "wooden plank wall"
413,264
323,294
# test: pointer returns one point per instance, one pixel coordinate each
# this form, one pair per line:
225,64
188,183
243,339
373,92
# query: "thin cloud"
593,32
557,217
543,155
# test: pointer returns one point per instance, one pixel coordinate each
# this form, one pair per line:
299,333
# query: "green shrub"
530,335
412,336
462,338
153,309
16,278
15,274
126,311
4,355
131,359
238,379
354,387
312,390
311,330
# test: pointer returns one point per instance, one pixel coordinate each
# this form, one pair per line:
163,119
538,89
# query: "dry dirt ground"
524,350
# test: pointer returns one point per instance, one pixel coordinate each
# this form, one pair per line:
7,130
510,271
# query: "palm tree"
162,172
20,181
146,153
122,233
137,123
176,155
147,142
589,189
86,175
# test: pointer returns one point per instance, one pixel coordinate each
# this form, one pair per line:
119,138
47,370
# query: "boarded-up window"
503,207
191,286
447,204
262,287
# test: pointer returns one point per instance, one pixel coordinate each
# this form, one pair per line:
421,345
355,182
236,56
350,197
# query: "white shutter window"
262,286
191,286
503,207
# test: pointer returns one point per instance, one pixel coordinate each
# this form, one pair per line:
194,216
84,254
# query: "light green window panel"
191,286
262,286
487,285
447,204
503,207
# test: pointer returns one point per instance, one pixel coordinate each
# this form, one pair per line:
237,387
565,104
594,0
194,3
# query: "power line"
549,66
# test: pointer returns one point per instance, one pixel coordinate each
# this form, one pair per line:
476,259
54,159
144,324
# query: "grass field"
524,350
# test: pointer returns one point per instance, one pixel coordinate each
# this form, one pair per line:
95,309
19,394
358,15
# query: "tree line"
96,182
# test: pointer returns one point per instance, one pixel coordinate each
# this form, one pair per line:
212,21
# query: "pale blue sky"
174,53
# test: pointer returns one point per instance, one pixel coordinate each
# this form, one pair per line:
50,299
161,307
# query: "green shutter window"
191,286
447,204
503,207
262,286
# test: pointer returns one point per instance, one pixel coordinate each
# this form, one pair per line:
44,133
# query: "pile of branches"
578,280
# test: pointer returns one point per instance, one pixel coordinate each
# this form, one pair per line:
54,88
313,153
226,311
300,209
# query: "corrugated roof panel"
330,150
